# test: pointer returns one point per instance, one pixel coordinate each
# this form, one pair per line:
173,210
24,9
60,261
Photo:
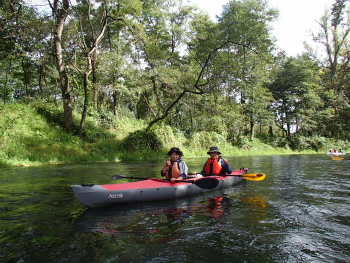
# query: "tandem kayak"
152,189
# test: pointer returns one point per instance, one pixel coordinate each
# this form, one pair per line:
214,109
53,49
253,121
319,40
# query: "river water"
299,213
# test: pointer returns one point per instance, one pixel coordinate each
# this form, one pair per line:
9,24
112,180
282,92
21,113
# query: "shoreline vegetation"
32,134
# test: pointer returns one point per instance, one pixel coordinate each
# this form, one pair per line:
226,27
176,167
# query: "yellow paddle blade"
337,158
254,177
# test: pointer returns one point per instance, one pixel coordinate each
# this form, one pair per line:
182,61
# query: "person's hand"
173,180
225,161
168,163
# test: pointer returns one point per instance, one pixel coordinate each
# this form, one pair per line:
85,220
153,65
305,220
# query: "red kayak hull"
152,189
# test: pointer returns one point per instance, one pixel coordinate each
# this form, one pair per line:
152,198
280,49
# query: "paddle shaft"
252,177
120,176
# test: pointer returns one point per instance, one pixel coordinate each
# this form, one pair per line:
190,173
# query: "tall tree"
334,36
247,56
159,44
60,11
203,69
297,91
89,48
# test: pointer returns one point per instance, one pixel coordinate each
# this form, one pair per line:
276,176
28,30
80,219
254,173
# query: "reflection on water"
118,218
257,200
299,213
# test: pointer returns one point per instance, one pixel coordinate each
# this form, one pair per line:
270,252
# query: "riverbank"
32,135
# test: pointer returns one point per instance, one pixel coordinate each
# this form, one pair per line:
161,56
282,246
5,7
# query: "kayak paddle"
204,183
251,177
120,176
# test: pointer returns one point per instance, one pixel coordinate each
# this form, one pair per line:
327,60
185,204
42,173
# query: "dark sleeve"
226,169
203,170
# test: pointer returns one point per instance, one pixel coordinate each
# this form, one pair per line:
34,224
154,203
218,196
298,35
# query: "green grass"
33,134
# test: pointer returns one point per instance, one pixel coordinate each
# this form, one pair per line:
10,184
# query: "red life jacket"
213,166
173,171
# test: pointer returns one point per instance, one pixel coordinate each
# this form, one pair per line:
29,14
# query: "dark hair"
175,150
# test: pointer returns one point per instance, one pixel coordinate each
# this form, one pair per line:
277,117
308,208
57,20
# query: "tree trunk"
115,102
25,78
251,127
61,16
94,78
40,81
91,62
288,129
270,130
86,102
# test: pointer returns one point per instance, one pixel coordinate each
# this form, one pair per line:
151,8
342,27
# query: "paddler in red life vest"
216,164
175,169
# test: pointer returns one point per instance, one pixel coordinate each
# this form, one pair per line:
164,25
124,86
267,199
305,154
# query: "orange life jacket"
173,171
213,166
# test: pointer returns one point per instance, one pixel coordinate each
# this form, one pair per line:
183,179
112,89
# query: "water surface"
299,213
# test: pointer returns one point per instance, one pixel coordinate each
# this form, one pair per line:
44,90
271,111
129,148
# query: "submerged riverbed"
299,213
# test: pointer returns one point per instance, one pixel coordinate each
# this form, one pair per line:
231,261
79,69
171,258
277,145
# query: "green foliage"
202,141
33,134
170,137
142,141
274,141
30,138
337,12
164,62
195,82
51,113
241,141
316,143
298,143
298,92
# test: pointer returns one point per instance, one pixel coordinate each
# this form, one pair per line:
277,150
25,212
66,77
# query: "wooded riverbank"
32,134
84,82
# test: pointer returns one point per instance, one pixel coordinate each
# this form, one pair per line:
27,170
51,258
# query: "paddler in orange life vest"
175,169
216,164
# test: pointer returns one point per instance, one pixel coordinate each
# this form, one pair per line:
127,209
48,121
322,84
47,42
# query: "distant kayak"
335,154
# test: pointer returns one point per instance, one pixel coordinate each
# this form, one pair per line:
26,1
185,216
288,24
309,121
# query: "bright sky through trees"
297,18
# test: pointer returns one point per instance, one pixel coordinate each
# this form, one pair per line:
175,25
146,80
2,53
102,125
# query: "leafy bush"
204,140
240,141
298,143
317,143
142,140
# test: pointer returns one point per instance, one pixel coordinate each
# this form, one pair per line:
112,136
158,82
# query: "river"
298,213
